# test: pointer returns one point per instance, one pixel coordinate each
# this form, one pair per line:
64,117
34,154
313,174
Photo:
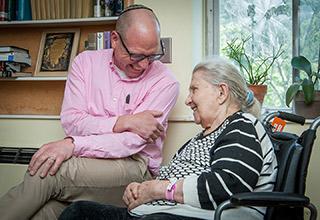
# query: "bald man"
114,114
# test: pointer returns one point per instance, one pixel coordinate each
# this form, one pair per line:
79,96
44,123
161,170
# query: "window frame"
212,9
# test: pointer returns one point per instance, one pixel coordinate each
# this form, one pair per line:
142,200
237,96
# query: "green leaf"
308,91
301,63
291,92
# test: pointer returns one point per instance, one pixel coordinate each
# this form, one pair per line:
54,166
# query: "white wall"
181,20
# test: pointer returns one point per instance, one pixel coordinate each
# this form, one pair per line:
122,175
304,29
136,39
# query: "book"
34,9
53,9
107,39
78,8
21,74
11,10
87,8
42,9
73,8
92,41
15,57
97,9
15,67
23,10
3,10
58,9
100,40
13,49
13,53
47,7
67,9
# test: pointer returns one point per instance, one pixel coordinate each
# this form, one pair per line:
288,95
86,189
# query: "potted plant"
307,100
255,69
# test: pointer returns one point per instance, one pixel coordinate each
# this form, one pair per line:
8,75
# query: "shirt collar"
123,75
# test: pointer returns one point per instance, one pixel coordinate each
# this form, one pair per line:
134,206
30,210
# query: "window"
268,24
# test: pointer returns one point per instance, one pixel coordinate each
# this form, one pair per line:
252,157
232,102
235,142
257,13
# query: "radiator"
13,165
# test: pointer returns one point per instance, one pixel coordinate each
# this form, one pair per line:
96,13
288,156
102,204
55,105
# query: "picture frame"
58,47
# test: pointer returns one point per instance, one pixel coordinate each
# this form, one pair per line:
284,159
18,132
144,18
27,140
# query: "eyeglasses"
138,57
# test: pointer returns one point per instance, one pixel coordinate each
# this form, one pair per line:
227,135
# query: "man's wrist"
121,124
71,139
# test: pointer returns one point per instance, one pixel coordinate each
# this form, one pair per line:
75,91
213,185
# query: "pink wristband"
171,189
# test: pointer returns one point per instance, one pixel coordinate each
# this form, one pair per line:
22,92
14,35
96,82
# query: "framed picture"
56,52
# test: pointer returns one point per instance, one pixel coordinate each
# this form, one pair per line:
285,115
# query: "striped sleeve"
236,162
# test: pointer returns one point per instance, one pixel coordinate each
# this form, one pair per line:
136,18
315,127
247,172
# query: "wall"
181,20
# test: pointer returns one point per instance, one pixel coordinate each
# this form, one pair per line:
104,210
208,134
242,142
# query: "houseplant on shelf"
254,68
307,100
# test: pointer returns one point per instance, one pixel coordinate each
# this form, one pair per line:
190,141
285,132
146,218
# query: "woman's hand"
140,193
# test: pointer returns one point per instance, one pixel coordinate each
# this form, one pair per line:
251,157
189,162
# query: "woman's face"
203,100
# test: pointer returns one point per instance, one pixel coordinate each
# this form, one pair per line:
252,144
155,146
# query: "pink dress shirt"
95,95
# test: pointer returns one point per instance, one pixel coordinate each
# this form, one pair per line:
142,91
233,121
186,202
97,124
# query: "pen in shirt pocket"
128,99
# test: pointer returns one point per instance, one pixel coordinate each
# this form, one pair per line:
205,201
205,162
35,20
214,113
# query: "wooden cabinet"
40,95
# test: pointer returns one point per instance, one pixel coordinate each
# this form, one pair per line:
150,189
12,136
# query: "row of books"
11,10
61,9
13,60
98,40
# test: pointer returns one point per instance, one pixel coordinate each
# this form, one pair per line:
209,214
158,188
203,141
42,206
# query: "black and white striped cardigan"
237,157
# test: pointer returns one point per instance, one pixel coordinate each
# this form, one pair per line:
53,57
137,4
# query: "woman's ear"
224,93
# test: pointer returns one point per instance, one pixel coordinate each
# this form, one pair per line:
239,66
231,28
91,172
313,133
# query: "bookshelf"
40,95
59,22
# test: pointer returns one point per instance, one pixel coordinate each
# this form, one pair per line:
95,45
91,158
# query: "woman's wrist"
170,189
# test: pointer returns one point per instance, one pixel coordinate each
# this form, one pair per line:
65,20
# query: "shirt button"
114,99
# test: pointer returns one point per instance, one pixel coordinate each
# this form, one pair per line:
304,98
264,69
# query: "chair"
288,199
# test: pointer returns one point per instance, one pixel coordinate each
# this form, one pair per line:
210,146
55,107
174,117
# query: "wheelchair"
288,200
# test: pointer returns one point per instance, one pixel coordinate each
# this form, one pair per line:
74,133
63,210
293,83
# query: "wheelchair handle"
315,124
292,117
285,116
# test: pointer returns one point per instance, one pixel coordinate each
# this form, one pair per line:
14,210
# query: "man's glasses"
138,57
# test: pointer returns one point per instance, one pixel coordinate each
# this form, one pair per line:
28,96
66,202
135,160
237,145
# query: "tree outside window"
268,23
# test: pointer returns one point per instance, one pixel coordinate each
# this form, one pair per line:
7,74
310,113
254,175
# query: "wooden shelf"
45,117
31,97
59,22
27,96
34,78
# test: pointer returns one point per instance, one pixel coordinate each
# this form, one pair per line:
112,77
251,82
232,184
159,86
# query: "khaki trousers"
100,180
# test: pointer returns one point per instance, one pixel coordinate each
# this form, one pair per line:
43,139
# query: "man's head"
136,40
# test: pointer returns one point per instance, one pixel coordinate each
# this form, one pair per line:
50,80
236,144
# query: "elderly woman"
232,154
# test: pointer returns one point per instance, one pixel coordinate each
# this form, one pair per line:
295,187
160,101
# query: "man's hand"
144,124
140,193
50,157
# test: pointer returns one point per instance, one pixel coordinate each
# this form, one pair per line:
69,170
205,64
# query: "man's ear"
224,93
114,38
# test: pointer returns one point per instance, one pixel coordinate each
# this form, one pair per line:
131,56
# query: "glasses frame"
139,57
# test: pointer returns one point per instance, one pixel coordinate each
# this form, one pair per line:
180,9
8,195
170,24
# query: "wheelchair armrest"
266,199
269,199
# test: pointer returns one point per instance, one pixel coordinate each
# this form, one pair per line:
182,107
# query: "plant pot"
308,111
259,91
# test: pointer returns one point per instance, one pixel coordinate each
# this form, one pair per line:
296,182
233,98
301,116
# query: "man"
114,113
